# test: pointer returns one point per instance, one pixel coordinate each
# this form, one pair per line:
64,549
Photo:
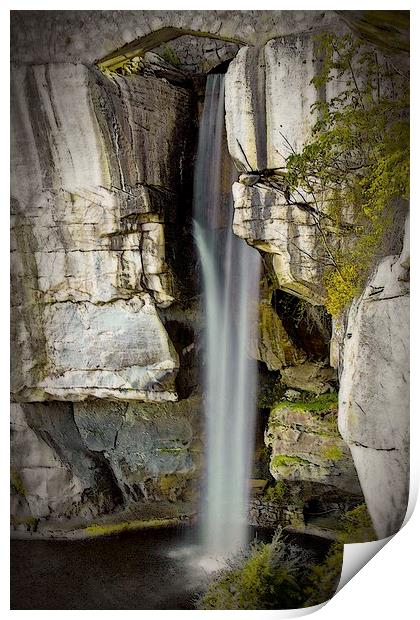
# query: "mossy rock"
283,460
17,483
332,453
310,404
111,529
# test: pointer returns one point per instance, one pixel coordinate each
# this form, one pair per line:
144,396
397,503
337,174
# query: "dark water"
152,569
141,570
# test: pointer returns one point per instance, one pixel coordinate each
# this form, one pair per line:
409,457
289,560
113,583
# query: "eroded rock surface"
154,450
79,461
274,346
289,232
53,474
305,445
374,391
92,187
268,101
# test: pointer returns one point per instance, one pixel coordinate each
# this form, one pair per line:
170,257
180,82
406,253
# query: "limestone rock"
249,179
52,473
117,351
41,484
306,445
374,391
309,376
269,95
92,187
292,395
274,346
245,109
91,458
38,35
263,217
153,450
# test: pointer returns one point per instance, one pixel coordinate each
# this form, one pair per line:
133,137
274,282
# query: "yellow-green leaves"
356,159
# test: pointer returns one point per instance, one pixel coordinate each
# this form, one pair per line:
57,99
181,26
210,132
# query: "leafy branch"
356,163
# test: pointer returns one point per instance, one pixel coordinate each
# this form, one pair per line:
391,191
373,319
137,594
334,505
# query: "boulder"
265,219
374,391
310,376
306,446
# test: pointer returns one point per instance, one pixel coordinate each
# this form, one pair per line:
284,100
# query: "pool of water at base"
151,569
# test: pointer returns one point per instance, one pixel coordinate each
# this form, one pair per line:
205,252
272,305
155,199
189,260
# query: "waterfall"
230,272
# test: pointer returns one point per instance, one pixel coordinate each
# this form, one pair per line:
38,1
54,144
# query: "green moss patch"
109,529
283,460
17,484
332,453
320,404
169,54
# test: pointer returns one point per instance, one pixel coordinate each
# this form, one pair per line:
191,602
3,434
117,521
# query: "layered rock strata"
306,446
75,462
92,186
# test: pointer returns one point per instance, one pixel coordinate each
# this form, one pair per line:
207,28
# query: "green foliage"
276,492
356,527
332,453
321,404
282,575
357,157
17,483
267,579
171,57
324,578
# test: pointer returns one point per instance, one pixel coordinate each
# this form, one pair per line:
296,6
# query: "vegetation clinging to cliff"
282,575
357,159
268,577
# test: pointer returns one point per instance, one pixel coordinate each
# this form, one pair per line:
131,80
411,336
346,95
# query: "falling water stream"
230,271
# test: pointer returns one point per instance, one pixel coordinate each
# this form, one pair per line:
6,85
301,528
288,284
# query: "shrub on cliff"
268,577
282,575
356,161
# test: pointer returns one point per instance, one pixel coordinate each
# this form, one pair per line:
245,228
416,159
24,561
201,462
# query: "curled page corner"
356,556
299,612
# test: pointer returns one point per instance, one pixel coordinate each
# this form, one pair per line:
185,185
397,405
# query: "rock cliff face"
268,101
78,461
288,233
99,212
93,184
105,324
269,98
374,391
